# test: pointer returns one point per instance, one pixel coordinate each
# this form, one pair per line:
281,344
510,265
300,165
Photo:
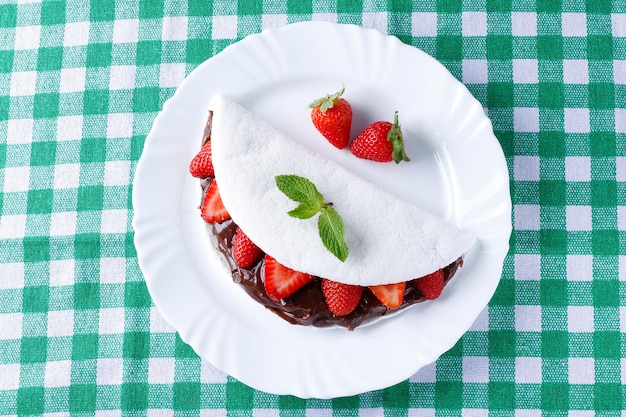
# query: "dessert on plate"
309,239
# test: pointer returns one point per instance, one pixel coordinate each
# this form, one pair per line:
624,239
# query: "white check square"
579,267
527,267
524,24
19,131
575,71
61,272
528,370
60,323
161,370
111,321
526,168
16,179
475,71
224,27
58,374
109,371
423,24
528,318
577,168
525,71
23,83
69,128
475,369
10,326
578,218
126,31
27,37
474,23
12,226
76,34
527,216
574,24
73,80
581,371
9,376
577,120
580,319
114,221
174,28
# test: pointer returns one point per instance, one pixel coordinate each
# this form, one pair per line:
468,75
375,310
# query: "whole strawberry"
332,117
381,141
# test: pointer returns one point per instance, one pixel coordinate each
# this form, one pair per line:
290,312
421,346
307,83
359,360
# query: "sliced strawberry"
431,285
391,295
341,299
213,210
245,252
280,281
201,166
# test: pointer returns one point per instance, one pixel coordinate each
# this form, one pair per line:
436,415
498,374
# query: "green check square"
36,249
552,192
42,153
86,295
606,293
136,345
549,6
501,395
449,47
182,349
198,50
289,402
238,396
553,241
96,102
136,295
39,201
6,66
293,7
607,344
499,47
90,198
501,343
449,6
498,6
146,99
84,346
82,398
554,344
554,396
500,94
186,395
46,105
101,11
149,9
30,400
605,242
602,144
8,15
552,144
551,95
608,397
603,193
599,47
34,349
134,396
601,95
52,13
553,292
35,299
149,52
93,150
448,395
49,59
349,6
99,55
549,47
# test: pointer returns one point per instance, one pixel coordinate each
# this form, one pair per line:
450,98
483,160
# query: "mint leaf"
300,189
329,223
331,232
304,211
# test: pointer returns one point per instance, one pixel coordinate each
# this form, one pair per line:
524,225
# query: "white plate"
457,171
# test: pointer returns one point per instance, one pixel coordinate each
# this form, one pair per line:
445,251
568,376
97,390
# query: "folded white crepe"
389,240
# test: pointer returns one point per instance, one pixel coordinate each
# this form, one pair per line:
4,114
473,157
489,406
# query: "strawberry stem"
395,137
328,101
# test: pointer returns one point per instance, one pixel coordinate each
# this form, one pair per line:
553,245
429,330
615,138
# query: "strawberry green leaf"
395,137
331,232
328,101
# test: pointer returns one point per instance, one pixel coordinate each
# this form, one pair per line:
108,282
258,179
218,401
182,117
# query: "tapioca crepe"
389,240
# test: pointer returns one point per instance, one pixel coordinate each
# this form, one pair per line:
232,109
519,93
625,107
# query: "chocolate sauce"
307,305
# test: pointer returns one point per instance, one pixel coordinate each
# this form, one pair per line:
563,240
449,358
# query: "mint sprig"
329,223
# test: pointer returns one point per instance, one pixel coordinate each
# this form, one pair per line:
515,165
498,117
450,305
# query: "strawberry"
245,252
341,299
201,166
332,117
280,281
213,210
391,295
431,285
381,141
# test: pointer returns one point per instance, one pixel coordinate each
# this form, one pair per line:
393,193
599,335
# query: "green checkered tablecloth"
80,85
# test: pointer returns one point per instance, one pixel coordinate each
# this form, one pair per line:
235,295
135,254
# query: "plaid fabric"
81,83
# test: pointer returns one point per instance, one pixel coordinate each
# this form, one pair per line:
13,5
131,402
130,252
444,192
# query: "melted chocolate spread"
307,305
